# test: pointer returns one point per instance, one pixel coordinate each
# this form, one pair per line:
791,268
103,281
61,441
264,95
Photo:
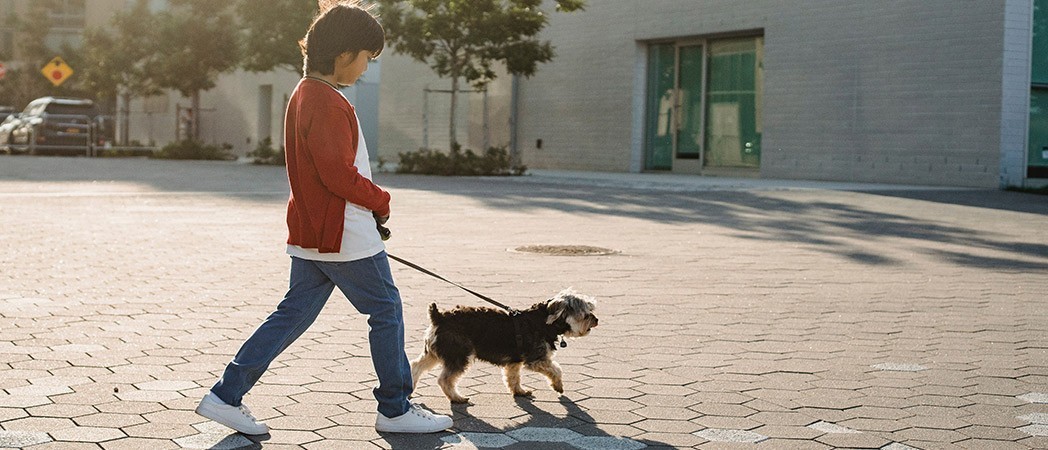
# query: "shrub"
495,161
189,149
266,154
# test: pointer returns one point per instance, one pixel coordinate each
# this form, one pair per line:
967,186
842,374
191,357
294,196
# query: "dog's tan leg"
448,382
421,365
512,376
551,370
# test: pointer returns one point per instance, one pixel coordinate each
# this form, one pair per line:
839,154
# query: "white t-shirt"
360,238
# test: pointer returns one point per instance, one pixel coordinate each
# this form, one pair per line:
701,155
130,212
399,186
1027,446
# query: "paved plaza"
734,314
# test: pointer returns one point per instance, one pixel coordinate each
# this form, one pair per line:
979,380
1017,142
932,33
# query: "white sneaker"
238,418
416,420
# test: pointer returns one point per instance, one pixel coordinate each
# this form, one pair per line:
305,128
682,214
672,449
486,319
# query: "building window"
1037,159
704,103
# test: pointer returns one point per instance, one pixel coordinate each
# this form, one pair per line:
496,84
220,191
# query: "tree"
200,43
118,65
270,31
25,83
462,39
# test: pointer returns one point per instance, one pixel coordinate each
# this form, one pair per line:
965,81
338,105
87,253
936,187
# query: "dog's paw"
523,393
559,387
459,400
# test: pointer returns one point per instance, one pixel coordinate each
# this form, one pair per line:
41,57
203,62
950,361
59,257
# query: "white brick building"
899,91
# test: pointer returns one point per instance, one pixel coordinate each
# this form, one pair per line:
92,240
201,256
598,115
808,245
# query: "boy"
332,238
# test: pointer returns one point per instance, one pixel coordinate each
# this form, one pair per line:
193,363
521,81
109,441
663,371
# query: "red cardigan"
321,134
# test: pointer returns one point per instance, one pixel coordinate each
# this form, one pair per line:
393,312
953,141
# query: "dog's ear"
555,309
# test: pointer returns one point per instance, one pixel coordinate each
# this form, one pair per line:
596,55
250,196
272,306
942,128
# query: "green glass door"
689,133
1037,159
659,129
733,103
704,103
1037,164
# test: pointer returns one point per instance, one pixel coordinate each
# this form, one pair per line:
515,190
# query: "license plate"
72,130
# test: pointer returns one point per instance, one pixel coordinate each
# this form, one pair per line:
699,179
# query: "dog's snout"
595,321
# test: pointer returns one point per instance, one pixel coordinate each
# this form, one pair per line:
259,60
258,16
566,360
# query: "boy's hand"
381,220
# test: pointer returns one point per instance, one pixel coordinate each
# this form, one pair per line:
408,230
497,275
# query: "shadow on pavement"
1002,200
763,215
577,430
782,217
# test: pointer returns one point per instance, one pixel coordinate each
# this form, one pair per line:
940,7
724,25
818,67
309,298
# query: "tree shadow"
848,228
827,226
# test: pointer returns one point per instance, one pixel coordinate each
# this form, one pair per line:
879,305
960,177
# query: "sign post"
57,71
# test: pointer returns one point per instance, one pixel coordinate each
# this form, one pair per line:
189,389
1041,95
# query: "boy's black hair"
345,27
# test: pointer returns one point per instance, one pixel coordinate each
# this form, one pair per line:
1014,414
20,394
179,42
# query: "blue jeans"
368,284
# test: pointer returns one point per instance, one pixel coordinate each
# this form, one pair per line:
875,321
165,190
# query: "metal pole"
514,147
487,133
425,117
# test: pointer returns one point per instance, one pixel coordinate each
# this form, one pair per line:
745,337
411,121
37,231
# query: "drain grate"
565,250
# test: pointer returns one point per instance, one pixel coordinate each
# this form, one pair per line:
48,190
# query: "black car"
56,125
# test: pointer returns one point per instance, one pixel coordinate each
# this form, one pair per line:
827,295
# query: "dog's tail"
434,313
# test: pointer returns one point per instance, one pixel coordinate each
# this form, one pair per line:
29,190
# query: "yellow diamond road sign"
57,71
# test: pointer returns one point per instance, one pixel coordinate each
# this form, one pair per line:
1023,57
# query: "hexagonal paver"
1034,397
543,434
827,427
1038,418
39,390
20,439
1037,429
216,441
606,443
717,435
166,385
897,446
899,367
489,440
87,434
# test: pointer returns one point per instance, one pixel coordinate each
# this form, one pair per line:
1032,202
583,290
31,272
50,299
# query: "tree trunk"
453,140
194,123
124,113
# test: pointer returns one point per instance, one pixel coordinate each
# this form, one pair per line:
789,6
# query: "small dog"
456,337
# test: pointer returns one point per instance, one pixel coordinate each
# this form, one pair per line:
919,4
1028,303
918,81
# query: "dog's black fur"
528,339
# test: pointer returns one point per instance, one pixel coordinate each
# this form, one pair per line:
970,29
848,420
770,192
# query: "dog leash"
385,234
419,268
514,313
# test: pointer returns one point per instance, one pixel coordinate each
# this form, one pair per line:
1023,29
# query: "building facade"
243,109
931,92
897,91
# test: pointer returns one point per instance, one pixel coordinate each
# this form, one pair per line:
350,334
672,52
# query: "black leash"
419,268
515,314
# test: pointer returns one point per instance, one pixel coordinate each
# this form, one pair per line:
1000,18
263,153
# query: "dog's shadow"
573,422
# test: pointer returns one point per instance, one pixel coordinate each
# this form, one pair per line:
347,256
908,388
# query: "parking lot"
733,313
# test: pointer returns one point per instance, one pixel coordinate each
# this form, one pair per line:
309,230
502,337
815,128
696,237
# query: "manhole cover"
565,250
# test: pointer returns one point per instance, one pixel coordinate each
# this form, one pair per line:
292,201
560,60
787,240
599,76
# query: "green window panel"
704,102
733,98
689,135
661,97
1038,156
1040,42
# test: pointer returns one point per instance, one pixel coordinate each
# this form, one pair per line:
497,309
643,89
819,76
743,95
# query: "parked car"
9,123
57,125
